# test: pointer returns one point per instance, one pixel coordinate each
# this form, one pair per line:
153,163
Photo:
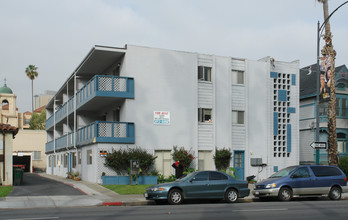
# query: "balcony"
97,132
94,95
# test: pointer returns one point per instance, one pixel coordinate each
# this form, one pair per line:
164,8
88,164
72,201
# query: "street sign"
318,145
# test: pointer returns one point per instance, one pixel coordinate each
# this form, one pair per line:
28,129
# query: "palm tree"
329,52
32,73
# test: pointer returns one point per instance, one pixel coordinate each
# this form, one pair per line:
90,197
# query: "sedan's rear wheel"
175,197
231,195
335,193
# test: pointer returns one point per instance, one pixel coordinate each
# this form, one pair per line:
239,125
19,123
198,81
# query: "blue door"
238,164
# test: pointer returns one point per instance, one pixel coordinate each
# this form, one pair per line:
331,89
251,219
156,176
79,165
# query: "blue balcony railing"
97,132
98,86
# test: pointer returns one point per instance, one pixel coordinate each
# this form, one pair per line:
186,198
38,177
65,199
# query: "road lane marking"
259,210
33,218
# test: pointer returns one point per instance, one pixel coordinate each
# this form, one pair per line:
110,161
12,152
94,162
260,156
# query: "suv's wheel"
175,197
285,194
335,193
231,195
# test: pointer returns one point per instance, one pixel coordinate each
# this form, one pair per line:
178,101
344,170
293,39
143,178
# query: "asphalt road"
304,209
35,185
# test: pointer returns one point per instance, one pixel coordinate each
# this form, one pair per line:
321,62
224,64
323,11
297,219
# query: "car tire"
285,194
175,197
231,195
335,193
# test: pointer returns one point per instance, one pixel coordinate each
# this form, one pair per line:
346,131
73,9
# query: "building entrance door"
238,164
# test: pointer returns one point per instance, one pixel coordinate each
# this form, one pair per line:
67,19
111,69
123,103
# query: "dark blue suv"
308,180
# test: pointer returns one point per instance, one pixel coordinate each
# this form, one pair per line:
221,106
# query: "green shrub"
222,158
119,160
343,165
180,154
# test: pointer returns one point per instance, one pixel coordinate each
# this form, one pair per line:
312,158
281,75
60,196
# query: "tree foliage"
119,160
31,72
343,165
38,121
222,158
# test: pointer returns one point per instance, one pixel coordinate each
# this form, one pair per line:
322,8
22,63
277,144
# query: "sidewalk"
96,195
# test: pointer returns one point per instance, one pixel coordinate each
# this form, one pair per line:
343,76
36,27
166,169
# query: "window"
89,157
50,161
237,77
323,109
325,171
54,161
203,176
302,172
204,73
338,107
341,143
204,115
344,107
37,155
65,160
237,117
79,157
217,176
74,160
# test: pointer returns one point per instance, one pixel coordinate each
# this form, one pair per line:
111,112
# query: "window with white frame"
36,155
89,157
238,117
237,77
204,115
204,73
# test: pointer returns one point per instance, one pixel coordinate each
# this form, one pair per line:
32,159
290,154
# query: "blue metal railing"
96,132
99,85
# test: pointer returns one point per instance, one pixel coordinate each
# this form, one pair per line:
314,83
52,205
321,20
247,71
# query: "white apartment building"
156,99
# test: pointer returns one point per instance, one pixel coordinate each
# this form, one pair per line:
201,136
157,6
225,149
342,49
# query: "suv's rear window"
325,171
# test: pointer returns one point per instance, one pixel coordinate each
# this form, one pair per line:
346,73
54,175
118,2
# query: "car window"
302,172
325,171
217,176
283,172
203,176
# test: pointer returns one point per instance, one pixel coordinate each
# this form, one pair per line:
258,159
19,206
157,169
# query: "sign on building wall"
161,118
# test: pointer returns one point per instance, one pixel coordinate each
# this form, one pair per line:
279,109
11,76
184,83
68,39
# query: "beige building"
29,145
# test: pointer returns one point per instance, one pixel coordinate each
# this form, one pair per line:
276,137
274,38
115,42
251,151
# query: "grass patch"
127,189
5,190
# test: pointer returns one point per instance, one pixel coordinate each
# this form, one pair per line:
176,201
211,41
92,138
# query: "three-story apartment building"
157,99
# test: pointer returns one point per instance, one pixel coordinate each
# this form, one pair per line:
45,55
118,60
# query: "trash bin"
17,176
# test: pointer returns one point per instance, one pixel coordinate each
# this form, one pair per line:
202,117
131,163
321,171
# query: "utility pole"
329,54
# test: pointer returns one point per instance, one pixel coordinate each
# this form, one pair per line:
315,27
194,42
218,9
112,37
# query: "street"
303,209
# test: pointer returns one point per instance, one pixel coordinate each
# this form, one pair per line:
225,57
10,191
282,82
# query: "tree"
37,121
330,53
32,73
222,158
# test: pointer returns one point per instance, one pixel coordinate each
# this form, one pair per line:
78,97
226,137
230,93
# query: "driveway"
35,185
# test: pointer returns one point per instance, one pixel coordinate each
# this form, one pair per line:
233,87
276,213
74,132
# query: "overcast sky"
55,35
